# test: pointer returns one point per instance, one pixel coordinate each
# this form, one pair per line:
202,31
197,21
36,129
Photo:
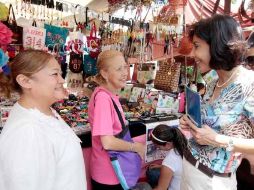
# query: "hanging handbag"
76,62
93,42
89,65
126,164
185,45
167,77
75,42
74,80
146,74
55,34
16,30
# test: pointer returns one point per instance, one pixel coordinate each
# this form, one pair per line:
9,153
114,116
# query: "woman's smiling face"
48,83
201,53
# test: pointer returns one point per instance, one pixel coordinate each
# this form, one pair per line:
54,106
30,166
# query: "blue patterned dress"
232,114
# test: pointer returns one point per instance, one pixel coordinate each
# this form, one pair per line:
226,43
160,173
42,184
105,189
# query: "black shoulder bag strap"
125,129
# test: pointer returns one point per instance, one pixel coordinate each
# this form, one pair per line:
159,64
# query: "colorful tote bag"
146,74
55,34
93,42
89,65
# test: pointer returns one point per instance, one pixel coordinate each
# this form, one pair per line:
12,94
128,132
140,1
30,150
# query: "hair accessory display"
74,112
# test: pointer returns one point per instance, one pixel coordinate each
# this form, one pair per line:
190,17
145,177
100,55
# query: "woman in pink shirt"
112,74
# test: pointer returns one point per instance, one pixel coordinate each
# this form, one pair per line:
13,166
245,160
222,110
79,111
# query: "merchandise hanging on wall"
17,31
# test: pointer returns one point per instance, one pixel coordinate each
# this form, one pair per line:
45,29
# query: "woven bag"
167,77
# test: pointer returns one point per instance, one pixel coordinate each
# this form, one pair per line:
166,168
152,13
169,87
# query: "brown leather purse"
167,77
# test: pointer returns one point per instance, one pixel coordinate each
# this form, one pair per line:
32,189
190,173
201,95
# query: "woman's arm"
165,178
238,144
207,136
113,143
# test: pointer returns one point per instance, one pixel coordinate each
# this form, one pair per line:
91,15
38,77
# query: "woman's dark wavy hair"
170,134
222,33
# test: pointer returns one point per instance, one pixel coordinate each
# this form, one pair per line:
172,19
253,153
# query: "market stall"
152,35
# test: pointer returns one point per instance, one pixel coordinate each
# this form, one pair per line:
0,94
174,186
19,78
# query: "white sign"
34,37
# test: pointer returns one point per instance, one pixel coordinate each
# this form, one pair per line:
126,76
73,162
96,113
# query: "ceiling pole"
227,7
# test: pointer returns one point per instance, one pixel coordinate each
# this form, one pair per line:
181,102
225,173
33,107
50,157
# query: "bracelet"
230,145
132,147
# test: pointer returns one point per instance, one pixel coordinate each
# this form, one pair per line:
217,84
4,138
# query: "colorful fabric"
136,93
5,34
3,58
126,91
232,114
89,65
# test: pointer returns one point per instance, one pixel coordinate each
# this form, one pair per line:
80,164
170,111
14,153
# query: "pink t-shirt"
104,121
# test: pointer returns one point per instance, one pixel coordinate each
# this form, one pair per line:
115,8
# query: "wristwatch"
230,145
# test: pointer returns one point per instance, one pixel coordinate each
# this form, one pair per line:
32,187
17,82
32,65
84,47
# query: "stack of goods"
74,112
143,102
141,112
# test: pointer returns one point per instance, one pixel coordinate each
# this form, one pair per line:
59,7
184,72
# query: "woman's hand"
184,123
204,135
152,166
140,149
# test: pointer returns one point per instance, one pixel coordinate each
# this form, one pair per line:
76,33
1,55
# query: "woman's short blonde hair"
103,62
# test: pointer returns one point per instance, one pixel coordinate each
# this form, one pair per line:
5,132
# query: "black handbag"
17,31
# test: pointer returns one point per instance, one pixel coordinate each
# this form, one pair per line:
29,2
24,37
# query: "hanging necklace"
219,86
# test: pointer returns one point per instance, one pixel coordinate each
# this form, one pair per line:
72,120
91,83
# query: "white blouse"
40,152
